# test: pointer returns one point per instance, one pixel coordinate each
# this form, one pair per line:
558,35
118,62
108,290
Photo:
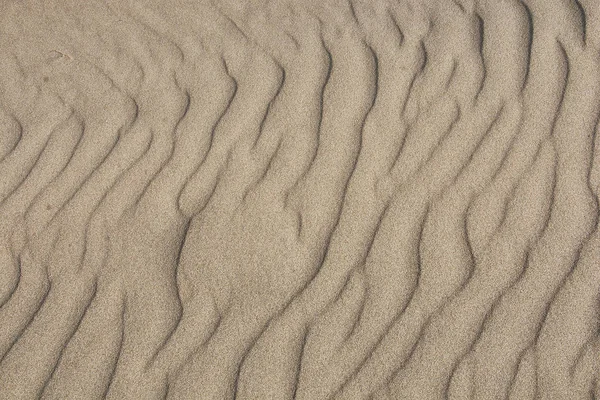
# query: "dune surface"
311,200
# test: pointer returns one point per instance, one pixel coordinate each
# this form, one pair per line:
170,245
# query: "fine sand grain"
299,199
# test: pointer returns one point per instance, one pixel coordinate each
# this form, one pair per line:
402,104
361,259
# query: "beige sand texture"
311,200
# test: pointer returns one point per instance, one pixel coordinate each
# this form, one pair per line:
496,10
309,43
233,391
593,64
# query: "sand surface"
312,200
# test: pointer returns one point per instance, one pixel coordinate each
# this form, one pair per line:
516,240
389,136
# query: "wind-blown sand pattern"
339,199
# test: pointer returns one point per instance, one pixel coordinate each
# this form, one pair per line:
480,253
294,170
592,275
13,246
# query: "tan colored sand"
286,199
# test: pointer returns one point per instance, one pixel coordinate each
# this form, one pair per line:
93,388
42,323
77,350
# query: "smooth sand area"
311,200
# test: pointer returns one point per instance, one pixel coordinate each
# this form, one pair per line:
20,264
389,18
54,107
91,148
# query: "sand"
312,200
